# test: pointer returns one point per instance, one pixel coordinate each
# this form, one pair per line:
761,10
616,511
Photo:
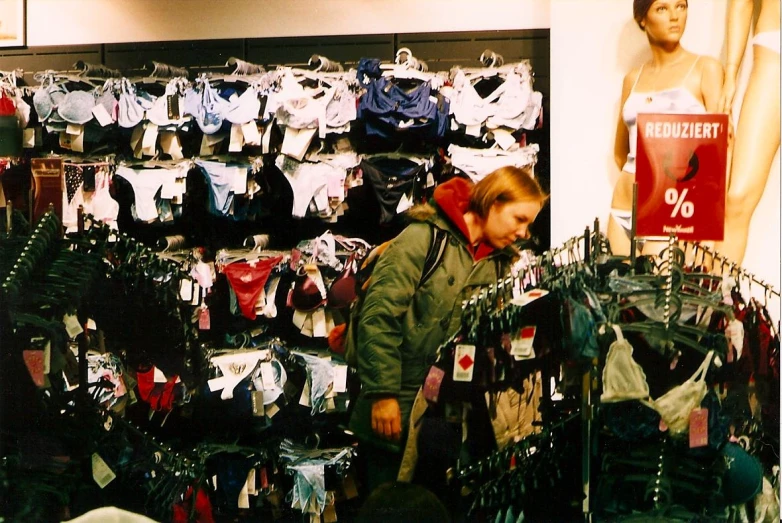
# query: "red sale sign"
680,169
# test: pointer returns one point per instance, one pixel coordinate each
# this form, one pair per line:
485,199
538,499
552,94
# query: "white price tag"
101,473
340,378
102,115
464,363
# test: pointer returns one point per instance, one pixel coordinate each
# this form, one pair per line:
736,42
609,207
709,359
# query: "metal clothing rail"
732,266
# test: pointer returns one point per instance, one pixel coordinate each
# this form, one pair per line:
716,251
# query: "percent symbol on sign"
680,205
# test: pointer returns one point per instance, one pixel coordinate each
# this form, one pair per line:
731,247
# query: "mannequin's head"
662,20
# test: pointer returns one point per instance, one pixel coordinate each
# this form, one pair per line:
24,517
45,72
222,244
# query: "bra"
623,377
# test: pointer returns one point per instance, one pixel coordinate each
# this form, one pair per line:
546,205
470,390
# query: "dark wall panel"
198,53
297,51
59,58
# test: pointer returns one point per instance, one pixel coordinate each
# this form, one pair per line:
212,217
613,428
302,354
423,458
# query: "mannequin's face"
508,222
666,19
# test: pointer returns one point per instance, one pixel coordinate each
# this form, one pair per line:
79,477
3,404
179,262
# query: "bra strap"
618,332
691,68
700,374
641,70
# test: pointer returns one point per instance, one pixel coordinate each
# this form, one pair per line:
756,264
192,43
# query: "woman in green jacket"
401,327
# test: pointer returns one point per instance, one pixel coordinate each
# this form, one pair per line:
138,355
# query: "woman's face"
508,222
665,20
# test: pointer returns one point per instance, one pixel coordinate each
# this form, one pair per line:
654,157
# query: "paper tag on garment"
204,321
263,478
101,473
699,428
65,140
349,486
206,149
28,138
330,514
257,401
74,129
473,130
196,294
272,409
319,323
150,136
237,139
169,144
429,180
47,358
464,363
252,489
239,180
136,136
305,395
244,497
102,115
77,142
299,317
432,384
503,138
251,134
528,297
405,202
33,360
267,375
72,326
340,378
214,139
521,347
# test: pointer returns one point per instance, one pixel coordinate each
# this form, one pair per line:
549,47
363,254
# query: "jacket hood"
453,199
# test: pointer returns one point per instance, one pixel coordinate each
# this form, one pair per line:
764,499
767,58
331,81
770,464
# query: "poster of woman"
594,45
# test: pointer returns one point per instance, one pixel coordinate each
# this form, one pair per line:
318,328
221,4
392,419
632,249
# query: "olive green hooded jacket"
400,329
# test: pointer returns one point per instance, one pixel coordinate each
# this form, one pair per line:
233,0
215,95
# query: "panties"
391,179
146,183
767,39
248,282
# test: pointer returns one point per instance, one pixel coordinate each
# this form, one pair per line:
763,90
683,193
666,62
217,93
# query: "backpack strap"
435,254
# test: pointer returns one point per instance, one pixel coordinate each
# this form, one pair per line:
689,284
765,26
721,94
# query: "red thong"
248,282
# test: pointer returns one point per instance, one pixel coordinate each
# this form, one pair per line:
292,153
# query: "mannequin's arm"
739,21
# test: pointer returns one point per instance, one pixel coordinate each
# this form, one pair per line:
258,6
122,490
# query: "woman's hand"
728,93
387,418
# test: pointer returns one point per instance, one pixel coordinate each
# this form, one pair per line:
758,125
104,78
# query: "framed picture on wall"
12,23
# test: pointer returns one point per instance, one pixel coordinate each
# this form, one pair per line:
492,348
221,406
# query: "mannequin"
673,81
757,136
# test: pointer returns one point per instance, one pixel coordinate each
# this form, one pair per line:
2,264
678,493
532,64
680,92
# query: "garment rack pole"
587,413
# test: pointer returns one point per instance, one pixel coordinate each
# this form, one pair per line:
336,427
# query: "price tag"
204,321
521,347
101,472
267,375
239,185
340,378
237,139
28,138
432,384
150,136
699,428
72,326
102,115
464,363
681,174
251,134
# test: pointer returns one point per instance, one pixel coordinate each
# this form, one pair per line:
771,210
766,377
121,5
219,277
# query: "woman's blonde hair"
505,185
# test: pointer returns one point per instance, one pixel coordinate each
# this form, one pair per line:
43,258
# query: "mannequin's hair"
640,8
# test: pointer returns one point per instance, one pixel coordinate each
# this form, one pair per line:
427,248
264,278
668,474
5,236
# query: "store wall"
593,45
66,22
